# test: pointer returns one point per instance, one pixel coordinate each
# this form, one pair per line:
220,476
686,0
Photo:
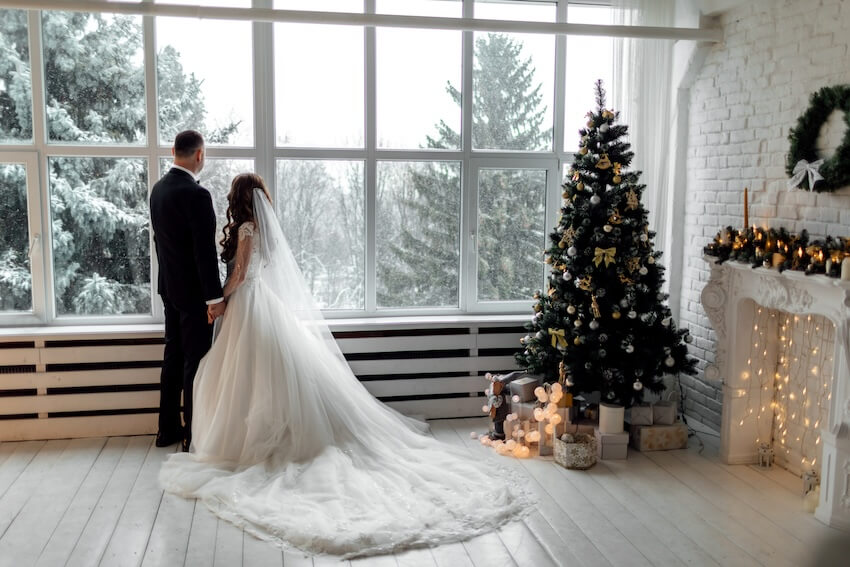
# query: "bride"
287,443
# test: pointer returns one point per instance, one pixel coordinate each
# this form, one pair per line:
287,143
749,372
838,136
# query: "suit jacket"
183,221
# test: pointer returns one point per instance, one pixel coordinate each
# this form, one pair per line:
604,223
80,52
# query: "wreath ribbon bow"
604,255
558,337
803,169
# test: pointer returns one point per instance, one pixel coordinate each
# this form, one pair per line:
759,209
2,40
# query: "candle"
746,210
828,266
845,269
778,259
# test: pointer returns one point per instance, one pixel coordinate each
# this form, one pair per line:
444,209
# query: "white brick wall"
750,92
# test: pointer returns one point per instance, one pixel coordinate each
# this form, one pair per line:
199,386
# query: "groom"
183,222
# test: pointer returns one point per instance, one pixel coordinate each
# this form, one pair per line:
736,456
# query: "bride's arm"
241,259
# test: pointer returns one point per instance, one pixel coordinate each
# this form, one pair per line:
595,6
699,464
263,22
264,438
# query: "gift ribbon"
558,338
604,254
803,169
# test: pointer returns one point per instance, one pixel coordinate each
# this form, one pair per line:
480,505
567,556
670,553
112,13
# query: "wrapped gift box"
524,388
611,445
663,413
640,414
659,437
524,410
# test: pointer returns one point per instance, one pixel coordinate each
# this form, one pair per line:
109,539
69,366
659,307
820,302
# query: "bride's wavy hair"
240,209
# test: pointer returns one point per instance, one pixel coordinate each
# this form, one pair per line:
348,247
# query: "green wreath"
835,170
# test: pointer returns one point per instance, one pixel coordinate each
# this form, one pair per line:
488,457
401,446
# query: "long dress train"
288,444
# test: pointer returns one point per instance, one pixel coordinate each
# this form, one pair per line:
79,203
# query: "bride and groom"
281,438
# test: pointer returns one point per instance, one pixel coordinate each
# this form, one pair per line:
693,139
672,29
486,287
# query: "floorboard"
89,502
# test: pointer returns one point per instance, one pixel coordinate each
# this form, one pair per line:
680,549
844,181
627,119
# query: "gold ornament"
583,150
607,114
604,255
569,236
615,218
617,167
558,338
625,279
538,308
580,186
577,341
565,195
590,123
552,291
615,315
616,179
562,245
632,200
594,307
604,162
633,263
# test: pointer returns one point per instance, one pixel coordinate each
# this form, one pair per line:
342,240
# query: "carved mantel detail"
725,300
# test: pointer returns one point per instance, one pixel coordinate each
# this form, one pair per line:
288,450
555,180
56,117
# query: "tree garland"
836,169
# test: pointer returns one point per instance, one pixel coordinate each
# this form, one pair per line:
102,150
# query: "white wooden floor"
96,502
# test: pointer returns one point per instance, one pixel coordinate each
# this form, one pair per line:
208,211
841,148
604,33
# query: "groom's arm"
202,225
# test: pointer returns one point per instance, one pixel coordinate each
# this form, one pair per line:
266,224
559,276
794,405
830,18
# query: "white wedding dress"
288,444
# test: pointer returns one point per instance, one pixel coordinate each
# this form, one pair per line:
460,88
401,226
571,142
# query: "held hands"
215,311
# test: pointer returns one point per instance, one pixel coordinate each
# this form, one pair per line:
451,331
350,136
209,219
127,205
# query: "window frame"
265,154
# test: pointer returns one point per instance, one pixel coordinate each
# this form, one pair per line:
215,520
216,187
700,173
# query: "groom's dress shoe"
166,439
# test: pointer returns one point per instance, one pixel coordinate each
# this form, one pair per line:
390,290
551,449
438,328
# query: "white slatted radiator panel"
107,383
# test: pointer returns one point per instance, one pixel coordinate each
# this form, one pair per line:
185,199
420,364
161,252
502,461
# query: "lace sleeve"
246,229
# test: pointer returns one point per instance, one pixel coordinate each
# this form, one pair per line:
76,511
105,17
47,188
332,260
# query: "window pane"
511,230
94,77
418,233
15,86
203,82
216,177
321,204
15,276
101,252
513,81
350,6
419,80
583,71
319,85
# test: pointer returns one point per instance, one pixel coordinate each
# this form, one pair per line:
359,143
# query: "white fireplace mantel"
724,300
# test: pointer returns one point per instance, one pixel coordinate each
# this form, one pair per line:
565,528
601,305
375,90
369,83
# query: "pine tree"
604,315
507,114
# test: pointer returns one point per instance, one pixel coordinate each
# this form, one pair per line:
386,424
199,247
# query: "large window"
414,170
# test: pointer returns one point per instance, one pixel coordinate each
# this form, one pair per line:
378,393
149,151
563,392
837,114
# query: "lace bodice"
247,230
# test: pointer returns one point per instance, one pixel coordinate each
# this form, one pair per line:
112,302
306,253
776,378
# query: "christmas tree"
604,315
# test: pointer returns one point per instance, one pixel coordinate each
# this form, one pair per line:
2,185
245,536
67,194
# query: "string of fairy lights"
791,360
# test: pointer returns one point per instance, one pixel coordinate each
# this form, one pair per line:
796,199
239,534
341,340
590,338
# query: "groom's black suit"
183,223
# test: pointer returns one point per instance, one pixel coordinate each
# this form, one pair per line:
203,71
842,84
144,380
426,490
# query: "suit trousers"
188,337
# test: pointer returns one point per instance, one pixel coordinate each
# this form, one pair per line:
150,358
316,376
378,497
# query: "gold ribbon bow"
558,338
604,254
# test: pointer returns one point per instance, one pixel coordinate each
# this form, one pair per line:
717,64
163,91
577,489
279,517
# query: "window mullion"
468,236
370,131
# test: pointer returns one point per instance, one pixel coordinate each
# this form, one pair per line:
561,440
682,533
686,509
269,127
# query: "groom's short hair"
187,143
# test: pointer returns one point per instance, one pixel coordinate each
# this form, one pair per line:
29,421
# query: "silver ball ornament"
632,314
607,228
669,361
577,323
630,349
689,338
643,238
643,271
572,251
638,386
567,276
594,324
604,127
595,200
571,310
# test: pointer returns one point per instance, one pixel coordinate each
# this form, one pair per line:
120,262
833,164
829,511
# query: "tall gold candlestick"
746,210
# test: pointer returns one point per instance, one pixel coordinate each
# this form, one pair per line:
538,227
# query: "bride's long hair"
240,209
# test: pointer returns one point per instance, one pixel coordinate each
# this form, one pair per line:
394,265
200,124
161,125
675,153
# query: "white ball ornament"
571,310
650,260
572,251
595,200
607,228
632,314
669,361
643,238
666,321
485,409
643,271
577,323
630,349
638,385
689,338
567,276
603,127
594,324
